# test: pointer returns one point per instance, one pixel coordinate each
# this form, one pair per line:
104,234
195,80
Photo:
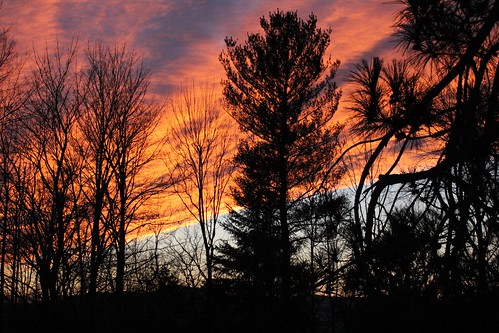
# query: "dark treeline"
401,249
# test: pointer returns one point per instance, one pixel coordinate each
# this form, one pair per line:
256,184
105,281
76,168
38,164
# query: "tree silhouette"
442,99
323,219
253,255
10,105
201,143
407,253
50,117
117,127
280,90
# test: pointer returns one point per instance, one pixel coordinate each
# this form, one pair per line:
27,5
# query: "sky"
180,40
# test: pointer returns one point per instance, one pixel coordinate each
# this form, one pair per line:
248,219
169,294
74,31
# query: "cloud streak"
181,40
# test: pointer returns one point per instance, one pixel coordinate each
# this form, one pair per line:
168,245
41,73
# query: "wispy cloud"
181,40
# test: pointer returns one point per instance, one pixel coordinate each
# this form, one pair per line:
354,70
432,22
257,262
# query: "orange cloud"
181,40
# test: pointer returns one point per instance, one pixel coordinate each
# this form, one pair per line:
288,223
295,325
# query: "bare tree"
10,102
118,126
50,117
96,126
201,145
186,256
151,267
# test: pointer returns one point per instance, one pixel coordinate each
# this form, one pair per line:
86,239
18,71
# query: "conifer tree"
280,90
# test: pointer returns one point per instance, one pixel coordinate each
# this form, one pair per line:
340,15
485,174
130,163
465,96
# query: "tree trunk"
283,216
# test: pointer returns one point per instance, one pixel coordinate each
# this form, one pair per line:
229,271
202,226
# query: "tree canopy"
280,90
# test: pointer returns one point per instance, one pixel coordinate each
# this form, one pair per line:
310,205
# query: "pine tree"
281,92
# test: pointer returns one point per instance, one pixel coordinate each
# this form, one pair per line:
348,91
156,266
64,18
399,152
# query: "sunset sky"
181,40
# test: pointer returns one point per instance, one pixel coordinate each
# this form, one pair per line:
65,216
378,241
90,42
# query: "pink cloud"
181,40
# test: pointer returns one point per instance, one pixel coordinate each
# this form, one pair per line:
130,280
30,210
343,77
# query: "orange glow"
181,41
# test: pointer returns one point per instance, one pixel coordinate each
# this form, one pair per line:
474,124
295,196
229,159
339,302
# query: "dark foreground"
181,310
